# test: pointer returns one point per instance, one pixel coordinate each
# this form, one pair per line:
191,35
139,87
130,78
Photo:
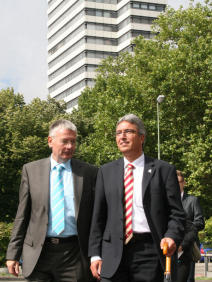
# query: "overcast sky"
23,46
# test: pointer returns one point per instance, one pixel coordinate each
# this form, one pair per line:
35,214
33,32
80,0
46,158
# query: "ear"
142,138
50,140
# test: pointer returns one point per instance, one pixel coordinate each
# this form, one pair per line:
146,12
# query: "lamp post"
160,99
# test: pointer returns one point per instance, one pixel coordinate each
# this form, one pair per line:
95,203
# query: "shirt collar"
139,162
66,165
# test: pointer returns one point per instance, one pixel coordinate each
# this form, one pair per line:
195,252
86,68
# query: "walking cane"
167,273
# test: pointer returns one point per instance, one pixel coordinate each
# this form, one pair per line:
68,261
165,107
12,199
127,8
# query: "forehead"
126,125
65,133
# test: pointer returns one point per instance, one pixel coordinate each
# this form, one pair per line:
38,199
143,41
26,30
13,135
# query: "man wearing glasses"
137,209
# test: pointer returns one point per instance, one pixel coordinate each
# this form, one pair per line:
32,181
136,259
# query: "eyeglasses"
126,132
67,142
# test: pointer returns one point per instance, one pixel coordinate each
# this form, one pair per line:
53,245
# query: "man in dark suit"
128,232
194,214
53,250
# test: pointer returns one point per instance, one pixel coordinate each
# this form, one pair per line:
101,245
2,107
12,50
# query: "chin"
123,151
66,158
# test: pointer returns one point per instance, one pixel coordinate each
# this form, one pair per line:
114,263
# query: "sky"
23,46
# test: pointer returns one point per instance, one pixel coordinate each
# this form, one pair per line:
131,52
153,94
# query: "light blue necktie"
57,196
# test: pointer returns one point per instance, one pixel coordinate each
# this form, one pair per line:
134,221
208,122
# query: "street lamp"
160,99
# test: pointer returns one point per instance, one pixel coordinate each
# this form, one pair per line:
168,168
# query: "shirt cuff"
95,258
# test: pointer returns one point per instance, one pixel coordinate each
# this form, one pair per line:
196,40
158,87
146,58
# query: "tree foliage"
206,234
5,231
23,138
177,63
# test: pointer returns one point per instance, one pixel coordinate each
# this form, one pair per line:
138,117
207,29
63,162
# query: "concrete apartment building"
83,32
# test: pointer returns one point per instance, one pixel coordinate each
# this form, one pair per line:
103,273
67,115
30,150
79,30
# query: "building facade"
83,32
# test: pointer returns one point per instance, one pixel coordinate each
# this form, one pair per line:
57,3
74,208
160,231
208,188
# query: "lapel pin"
149,171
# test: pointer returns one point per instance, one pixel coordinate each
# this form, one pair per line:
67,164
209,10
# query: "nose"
123,135
69,145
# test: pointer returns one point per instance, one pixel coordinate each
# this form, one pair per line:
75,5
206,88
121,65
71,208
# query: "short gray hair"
134,120
63,124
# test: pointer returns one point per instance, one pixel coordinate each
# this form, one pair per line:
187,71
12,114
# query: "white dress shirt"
139,220
69,211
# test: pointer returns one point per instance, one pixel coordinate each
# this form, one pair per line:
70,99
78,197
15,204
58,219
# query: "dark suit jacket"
193,212
162,205
30,226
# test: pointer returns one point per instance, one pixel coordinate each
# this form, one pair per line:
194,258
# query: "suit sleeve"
21,220
198,219
99,218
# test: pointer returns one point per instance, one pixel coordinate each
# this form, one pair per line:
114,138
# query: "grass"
203,278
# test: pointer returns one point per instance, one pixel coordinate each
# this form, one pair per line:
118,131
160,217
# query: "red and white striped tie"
128,202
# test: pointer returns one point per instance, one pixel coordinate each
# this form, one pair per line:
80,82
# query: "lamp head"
160,98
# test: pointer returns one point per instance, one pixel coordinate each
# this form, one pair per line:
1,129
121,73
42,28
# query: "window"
144,6
152,7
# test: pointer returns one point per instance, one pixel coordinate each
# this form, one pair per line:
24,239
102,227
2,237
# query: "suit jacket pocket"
106,236
28,241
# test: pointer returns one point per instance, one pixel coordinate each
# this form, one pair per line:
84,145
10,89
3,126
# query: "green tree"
5,230
206,234
177,63
198,160
23,138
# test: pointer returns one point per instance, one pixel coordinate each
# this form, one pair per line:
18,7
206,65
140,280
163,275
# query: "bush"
5,231
206,234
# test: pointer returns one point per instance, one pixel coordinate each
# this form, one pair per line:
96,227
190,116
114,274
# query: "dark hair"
179,173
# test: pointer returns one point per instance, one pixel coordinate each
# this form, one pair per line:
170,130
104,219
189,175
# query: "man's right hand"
96,268
13,267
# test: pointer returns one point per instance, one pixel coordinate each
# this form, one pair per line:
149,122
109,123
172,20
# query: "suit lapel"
78,185
45,182
184,200
120,177
149,170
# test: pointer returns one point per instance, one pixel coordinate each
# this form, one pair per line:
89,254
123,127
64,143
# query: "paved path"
200,270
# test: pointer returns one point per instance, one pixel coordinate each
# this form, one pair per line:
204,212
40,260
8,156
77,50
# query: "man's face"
181,182
63,144
128,140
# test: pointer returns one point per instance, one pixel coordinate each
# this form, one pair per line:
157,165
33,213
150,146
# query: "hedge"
5,231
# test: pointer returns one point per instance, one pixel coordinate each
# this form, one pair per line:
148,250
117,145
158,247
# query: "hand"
96,268
13,267
180,249
171,246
